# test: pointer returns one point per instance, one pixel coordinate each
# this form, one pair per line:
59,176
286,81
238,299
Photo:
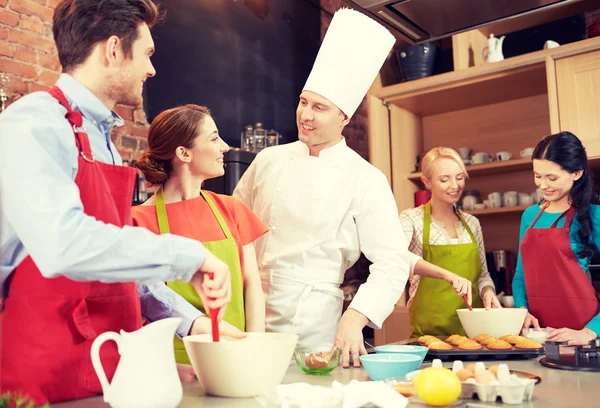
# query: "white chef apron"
299,301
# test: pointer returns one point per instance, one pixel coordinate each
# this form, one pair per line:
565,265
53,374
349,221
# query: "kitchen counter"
558,389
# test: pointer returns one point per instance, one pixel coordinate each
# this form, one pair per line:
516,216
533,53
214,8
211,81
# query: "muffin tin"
456,353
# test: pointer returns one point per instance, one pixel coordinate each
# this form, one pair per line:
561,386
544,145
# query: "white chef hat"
353,50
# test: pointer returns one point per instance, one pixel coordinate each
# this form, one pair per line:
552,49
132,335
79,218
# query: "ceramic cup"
481,158
480,206
464,152
495,199
526,200
527,153
511,198
469,202
501,156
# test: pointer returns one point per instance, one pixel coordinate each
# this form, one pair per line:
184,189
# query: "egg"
465,374
484,377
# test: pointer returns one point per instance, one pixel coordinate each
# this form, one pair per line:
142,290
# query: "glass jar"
247,142
260,136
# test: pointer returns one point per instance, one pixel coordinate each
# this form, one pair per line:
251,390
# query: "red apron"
48,325
558,291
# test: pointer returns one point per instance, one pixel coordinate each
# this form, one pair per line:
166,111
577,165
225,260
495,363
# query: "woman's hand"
488,296
572,337
461,286
530,321
202,325
186,373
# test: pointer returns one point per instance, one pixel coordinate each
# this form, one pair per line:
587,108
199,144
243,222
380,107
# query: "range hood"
418,21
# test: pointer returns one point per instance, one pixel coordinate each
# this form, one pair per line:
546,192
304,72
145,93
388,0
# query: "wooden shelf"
501,210
510,79
487,169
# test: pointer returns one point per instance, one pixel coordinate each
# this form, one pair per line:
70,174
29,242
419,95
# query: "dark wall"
247,60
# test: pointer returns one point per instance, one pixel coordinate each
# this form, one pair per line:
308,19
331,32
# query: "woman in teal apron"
450,239
184,150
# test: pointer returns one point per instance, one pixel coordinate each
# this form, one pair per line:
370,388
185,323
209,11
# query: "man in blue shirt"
105,50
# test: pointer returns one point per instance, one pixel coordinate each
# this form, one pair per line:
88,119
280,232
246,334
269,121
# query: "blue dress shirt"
41,213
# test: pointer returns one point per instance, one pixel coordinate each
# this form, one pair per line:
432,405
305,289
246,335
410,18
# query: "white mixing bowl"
495,322
240,368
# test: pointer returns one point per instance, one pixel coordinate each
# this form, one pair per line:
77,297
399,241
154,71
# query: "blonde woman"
450,239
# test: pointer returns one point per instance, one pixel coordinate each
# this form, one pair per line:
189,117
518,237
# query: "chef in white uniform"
324,204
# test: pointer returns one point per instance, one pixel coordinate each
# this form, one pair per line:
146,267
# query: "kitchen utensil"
502,156
146,376
214,317
464,152
333,355
466,299
495,322
240,368
403,349
527,153
573,358
382,366
481,158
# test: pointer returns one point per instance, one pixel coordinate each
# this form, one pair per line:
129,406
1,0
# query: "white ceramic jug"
494,49
146,375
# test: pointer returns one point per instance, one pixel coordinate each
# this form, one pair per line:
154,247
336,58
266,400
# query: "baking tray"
483,354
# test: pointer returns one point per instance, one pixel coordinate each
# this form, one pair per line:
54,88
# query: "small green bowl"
301,353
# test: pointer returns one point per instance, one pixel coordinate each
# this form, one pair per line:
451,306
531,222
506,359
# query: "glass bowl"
402,385
317,360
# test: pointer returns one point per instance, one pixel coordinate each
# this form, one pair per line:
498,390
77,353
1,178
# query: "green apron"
433,310
227,251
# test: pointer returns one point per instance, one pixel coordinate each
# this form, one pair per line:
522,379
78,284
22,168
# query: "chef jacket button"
179,277
306,236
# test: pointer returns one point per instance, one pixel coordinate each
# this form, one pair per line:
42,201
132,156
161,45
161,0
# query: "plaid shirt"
412,224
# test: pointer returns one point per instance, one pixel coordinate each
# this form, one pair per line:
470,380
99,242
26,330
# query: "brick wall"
28,54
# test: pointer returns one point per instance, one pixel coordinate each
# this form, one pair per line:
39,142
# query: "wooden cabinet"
504,106
578,92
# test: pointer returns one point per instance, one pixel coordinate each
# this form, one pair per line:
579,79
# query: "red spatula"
213,317
466,299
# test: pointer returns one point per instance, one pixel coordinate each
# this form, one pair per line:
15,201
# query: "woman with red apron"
558,237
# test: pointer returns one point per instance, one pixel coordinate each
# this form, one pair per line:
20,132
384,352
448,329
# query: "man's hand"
202,325
573,337
215,293
349,338
488,296
530,320
460,285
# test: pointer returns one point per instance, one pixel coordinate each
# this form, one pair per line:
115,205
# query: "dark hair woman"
184,150
558,237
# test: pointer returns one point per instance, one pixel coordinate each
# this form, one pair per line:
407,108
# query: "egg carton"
513,393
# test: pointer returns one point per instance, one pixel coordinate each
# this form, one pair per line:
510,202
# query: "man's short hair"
78,25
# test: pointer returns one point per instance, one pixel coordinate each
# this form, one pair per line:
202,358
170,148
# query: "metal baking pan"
483,354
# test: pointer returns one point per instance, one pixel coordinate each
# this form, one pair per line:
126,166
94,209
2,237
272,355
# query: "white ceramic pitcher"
146,375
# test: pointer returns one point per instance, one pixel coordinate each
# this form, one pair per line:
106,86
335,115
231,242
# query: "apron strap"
161,212
542,209
217,214
76,121
568,218
427,224
163,221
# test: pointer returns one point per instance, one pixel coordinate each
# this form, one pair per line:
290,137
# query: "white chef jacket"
322,212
